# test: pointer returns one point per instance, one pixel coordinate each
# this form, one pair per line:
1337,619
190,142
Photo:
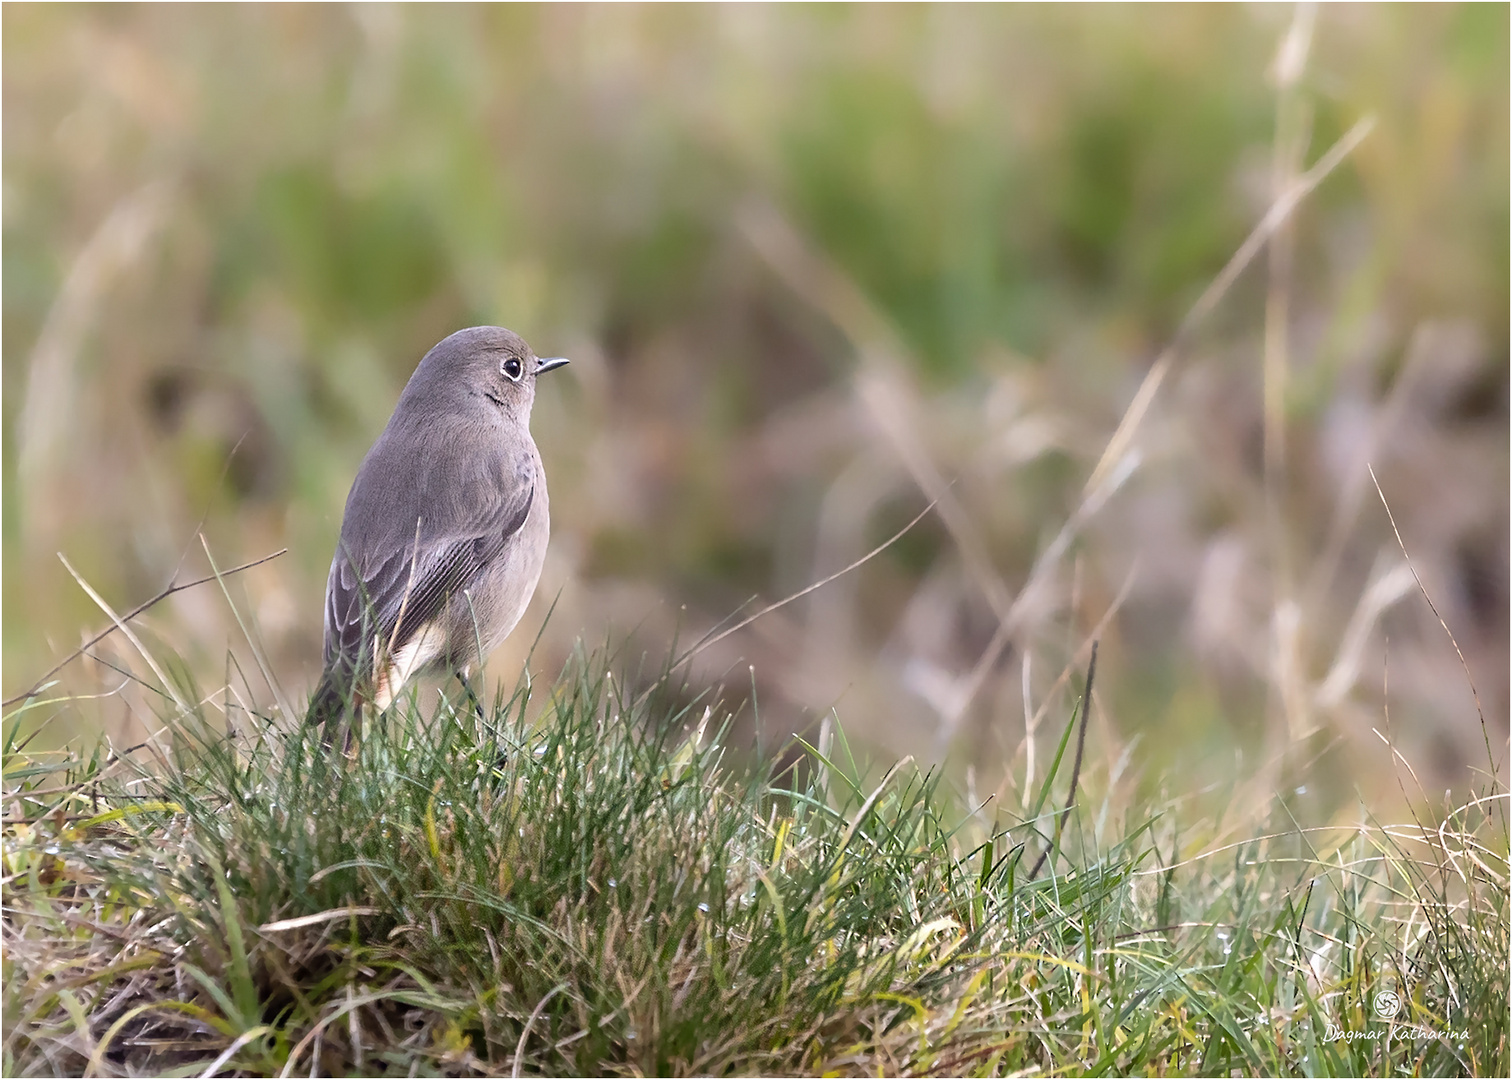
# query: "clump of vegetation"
606,890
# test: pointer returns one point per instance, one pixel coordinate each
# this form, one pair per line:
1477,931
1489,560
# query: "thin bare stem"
1280,210
1076,764
1288,145
257,654
123,628
709,642
1433,608
126,618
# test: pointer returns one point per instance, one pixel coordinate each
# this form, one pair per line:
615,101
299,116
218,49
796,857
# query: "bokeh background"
814,266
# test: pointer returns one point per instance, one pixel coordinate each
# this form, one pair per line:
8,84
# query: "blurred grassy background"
808,262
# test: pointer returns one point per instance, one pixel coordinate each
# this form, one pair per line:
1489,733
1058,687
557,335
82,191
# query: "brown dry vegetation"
815,268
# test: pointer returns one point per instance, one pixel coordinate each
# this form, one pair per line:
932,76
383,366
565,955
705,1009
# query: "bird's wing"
400,587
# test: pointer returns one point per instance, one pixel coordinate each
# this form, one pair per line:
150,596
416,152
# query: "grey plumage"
445,528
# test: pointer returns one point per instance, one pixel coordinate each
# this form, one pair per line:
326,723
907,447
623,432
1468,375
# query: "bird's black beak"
550,364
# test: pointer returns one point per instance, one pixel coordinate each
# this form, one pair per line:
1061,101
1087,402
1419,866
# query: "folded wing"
377,600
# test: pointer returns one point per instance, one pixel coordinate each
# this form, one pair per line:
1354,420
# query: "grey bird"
445,528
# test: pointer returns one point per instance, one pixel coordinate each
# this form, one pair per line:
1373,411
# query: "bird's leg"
351,726
482,717
345,722
471,695
351,731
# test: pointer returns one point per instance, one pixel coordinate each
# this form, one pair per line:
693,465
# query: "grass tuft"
605,890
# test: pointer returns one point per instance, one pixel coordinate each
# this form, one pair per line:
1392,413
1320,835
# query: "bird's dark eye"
511,369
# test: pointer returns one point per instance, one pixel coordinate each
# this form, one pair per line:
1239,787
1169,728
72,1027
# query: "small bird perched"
445,527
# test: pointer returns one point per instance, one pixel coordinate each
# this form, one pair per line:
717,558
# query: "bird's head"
482,366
